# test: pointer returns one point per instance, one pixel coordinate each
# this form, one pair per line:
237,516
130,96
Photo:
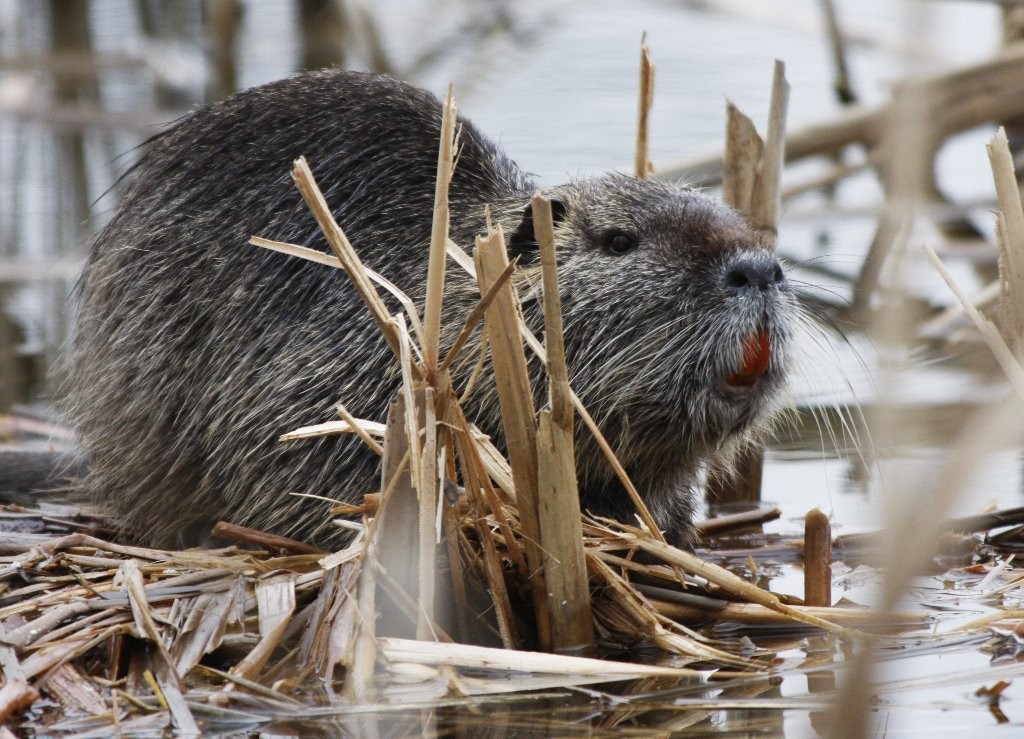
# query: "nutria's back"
195,351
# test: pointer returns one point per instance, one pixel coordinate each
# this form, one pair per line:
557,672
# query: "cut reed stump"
752,172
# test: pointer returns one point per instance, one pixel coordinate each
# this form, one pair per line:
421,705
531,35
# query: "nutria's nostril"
748,274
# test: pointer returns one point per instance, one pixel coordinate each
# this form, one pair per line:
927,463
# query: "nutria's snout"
746,275
756,286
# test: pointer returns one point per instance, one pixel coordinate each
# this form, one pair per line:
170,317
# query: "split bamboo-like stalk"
766,200
427,494
439,238
744,150
517,411
396,521
565,568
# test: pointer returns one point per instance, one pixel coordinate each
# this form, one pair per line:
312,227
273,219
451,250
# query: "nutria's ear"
523,242
558,208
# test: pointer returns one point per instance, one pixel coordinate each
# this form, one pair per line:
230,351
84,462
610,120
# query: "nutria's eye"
618,243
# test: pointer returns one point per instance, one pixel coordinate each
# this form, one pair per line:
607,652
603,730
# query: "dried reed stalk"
734,521
565,568
757,614
169,683
465,655
956,101
766,199
1004,355
439,238
427,494
335,428
817,559
397,519
503,320
1010,233
245,535
752,184
744,151
733,584
312,255
345,253
642,165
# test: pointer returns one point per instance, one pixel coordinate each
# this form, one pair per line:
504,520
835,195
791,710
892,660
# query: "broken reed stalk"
958,100
1010,238
565,567
766,200
517,411
1004,355
427,495
359,682
275,600
343,250
743,152
398,519
817,559
736,521
358,429
732,583
421,436
16,696
274,542
463,260
169,682
757,614
642,165
439,237
312,255
752,173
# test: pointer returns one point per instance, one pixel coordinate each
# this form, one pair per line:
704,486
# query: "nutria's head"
678,320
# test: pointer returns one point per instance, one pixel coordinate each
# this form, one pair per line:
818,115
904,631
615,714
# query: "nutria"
194,351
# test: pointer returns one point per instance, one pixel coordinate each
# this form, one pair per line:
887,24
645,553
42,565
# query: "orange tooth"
756,354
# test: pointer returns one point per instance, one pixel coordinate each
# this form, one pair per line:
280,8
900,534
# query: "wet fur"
194,350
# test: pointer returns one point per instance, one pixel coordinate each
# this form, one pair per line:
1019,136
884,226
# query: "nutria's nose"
754,274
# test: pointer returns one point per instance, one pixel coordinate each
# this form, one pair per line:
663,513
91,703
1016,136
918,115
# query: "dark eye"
618,243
